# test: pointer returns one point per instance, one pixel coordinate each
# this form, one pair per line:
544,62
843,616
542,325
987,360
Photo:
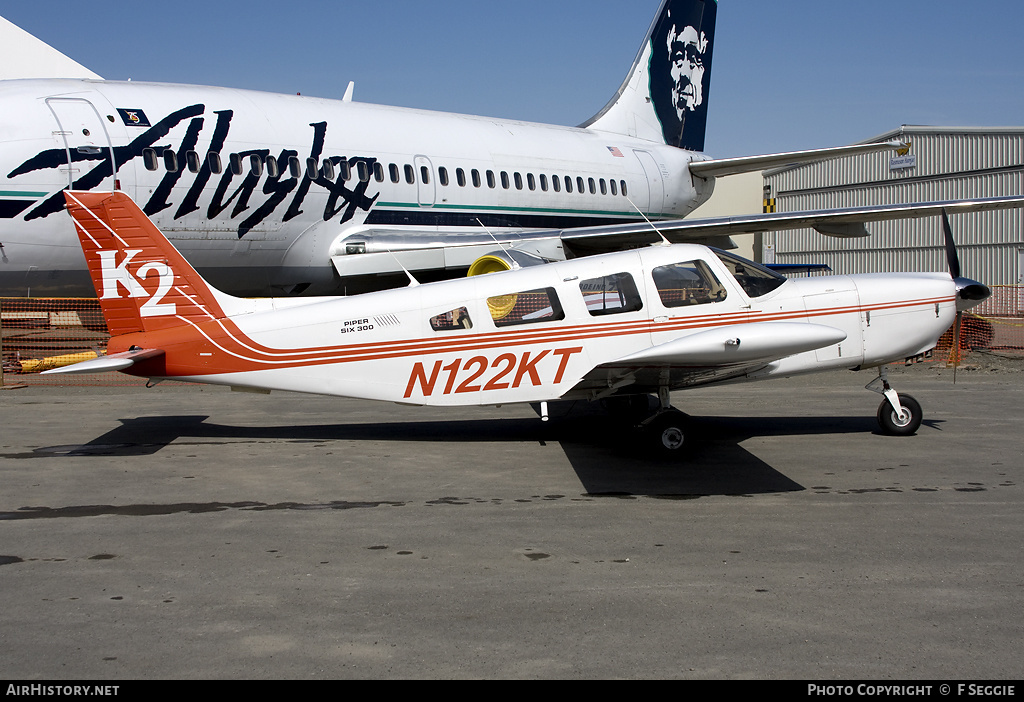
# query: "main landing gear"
666,431
899,415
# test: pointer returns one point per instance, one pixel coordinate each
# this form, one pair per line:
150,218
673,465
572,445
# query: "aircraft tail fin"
144,284
665,96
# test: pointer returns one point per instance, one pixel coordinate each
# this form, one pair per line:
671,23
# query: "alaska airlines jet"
271,194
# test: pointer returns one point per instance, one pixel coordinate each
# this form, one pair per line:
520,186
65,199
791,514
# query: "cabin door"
90,161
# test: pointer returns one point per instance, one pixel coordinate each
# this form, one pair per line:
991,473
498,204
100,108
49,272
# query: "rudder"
665,96
143,282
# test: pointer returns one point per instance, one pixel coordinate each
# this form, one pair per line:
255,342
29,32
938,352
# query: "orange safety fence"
37,334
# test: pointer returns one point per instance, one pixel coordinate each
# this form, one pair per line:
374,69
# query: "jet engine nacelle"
504,260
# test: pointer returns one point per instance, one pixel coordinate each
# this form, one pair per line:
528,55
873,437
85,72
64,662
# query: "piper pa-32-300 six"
617,325
284,195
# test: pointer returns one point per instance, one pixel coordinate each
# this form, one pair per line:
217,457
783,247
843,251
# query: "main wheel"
892,423
668,431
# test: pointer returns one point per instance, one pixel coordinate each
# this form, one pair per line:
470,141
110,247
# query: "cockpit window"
755,279
689,283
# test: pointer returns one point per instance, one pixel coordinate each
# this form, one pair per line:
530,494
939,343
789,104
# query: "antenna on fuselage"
664,241
347,97
412,280
515,263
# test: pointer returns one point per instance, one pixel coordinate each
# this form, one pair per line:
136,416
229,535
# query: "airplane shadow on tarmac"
608,457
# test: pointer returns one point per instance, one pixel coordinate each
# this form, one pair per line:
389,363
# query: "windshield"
755,279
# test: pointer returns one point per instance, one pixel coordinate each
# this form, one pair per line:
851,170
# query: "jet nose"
970,293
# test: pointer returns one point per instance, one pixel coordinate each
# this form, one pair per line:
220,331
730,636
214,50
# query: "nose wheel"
898,415
900,423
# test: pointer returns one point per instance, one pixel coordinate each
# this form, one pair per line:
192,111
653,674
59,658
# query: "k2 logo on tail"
115,274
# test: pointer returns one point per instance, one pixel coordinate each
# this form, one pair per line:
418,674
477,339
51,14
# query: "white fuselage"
259,191
388,345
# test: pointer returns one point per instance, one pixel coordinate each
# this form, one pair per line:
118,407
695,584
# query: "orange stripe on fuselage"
234,351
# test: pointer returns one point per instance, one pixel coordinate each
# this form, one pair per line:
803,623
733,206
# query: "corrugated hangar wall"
943,163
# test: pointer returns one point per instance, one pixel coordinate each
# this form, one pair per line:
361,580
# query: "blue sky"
788,74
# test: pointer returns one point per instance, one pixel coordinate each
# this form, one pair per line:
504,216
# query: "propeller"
969,293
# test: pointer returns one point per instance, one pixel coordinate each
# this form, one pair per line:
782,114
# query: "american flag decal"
615,152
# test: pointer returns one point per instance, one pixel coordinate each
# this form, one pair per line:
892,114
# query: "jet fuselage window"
518,180
393,170
615,190
296,168
543,182
530,182
476,178
346,169
410,174
363,170
378,172
622,187
255,165
442,175
170,161
568,184
556,184
504,180
527,307
272,169
213,160
451,321
689,283
593,186
611,294
236,163
192,161
460,177
604,187
328,169
151,160
425,174
579,184
490,179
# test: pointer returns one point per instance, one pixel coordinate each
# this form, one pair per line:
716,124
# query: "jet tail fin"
665,95
144,284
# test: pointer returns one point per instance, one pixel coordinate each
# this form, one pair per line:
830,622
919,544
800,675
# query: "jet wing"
845,222
389,251
715,354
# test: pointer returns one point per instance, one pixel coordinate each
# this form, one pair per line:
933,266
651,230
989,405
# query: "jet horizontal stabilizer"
716,168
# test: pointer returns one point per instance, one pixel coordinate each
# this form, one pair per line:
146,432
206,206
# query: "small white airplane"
618,325
285,195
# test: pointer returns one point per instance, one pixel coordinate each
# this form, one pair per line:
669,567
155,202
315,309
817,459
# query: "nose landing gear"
898,415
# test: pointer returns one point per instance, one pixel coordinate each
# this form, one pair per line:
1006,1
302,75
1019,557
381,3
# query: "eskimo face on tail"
680,70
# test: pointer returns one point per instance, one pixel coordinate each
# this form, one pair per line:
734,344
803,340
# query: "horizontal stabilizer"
739,344
718,167
113,362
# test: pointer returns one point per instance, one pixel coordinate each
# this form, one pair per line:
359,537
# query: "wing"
845,222
388,251
705,357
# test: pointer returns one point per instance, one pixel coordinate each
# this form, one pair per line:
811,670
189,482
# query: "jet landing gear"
899,415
